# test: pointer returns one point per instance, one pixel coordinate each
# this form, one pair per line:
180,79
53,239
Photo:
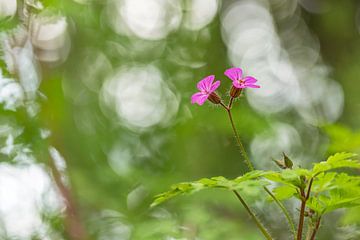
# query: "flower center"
241,81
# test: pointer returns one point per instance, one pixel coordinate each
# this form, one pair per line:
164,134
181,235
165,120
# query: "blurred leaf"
342,138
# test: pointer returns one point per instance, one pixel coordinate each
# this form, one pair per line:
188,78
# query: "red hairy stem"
302,215
304,198
315,229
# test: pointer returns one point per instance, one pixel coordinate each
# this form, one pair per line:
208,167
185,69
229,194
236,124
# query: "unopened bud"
214,98
235,92
285,163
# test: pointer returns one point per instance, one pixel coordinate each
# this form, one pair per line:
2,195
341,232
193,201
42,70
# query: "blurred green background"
96,119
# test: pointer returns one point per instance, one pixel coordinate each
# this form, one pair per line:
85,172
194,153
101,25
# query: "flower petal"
199,98
214,86
234,73
250,80
205,83
252,86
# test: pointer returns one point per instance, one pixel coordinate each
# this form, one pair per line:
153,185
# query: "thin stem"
309,189
224,106
231,102
241,146
286,213
309,232
315,229
253,216
251,168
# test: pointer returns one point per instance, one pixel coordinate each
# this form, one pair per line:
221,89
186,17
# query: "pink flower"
236,75
206,89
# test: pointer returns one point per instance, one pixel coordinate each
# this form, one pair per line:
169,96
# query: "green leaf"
284,192
334,191
339,160
248,184
288,176
323,182
325,204
343,138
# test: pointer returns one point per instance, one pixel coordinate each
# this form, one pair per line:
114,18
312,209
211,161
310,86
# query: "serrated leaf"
248,183
288,176
336,191
324,204
323,182
339,160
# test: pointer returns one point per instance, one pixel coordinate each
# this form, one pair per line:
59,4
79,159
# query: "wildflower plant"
319,190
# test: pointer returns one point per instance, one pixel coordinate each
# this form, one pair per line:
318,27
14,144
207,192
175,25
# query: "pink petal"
250,80
252,86
199,98
214,86
205,83
234,73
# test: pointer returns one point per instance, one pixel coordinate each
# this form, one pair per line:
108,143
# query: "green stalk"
251,167
253,216
285,212
241,146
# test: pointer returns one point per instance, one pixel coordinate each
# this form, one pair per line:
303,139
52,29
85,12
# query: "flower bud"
214,98
235,92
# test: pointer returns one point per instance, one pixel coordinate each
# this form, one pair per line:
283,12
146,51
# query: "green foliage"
338,190
284,192
329,190
248,183
343,138
339,160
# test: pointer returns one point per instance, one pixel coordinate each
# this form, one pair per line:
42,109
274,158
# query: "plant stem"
231,102
304,198
251,167
241,146
309,232
302,215
315,229
283,209
73,225
257,221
